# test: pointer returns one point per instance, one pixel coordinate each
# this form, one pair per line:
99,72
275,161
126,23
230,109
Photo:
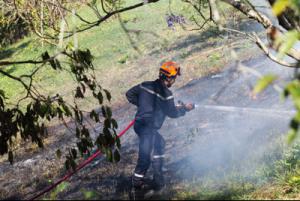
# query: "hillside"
224,149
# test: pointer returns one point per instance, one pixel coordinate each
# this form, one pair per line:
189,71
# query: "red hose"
80,166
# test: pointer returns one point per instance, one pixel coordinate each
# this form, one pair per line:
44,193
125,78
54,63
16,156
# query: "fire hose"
80,166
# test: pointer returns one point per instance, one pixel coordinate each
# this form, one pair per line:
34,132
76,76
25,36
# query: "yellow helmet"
170,69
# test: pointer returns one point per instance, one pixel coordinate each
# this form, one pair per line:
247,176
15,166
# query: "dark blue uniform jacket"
154,101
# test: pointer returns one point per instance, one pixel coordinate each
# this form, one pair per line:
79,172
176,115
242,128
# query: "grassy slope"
108,43
119,66
277,176
115,57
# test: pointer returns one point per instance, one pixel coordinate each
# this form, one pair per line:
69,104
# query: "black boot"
158,177
137,182
137,185
141,187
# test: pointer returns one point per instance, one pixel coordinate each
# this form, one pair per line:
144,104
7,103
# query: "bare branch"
262,46
6,63
200,26
58,5
251,13
103,7
110,14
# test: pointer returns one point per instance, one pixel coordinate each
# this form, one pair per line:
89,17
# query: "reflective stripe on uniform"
158,156
158,95
138,175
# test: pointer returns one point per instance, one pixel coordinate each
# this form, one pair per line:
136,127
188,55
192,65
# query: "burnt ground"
230,133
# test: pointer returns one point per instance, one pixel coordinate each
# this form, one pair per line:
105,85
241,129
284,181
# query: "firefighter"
154,102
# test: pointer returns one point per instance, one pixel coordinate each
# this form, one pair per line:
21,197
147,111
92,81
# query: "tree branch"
262,46
6,63
266,22
249,12
108,15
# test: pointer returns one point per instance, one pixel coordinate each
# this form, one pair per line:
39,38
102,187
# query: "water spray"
272,112
246,109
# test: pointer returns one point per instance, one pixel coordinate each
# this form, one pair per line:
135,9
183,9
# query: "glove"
189,106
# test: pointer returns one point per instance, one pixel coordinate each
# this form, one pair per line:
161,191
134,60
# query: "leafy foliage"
11,28
31,122
286,168
263,83
281,5
285,43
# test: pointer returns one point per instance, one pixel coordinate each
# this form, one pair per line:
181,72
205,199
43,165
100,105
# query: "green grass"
114,55
276,176
108,43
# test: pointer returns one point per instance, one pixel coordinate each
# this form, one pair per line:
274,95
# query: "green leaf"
118,142
60,113
10,157
57,64
2,93
100,97
286,93
295,4
294,124
117,156
280,6
61,187
109,155
103,109
107,123
85,132
74,153
89,195
109,112
293,88
58,153
114,123
287,41
70,46
43,110
94,2
45,56
292,134
297,117
67,110
263,83
79,93
94,116
108,95
67,164
73,164
294,180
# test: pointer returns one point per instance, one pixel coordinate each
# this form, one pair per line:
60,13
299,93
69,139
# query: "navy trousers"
149,140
